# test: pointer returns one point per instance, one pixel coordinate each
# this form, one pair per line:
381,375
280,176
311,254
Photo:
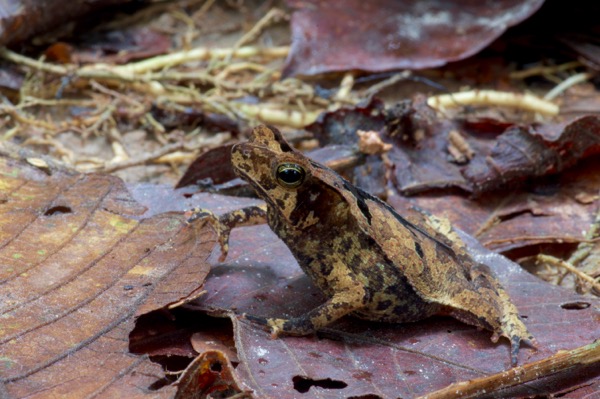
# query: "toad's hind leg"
486,304
340,304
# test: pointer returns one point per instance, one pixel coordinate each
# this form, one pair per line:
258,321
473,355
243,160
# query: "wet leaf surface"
385,34
354,357
78,263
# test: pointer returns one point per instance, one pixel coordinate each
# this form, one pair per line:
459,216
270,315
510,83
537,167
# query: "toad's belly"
389,296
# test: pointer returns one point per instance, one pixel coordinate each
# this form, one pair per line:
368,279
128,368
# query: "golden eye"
290,175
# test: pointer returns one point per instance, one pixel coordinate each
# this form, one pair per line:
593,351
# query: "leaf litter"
244,85
79,263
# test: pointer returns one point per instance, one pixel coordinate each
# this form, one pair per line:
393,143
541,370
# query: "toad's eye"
290,175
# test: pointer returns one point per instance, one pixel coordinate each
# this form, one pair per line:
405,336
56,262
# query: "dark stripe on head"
285,147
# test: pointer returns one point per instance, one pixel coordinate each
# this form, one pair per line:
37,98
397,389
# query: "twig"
278,116
116,94
19,116
274,15
197,54
204,9
146,158
545,70
526,101
569,82
559,362
392,80
29,101
346,85
233,68
105,116
571,268
585,247
67,156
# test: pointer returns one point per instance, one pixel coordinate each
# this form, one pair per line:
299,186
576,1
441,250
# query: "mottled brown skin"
368,260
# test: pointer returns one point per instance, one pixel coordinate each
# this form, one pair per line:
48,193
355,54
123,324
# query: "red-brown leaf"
380,35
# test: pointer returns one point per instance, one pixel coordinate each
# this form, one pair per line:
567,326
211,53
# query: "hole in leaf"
216,367
303,384
158,384
58,210
575,305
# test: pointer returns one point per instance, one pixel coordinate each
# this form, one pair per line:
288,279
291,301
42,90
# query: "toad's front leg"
347,300
248,216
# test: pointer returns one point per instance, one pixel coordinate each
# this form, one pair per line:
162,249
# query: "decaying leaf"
528,152
79,263
500,153
548,212
382,35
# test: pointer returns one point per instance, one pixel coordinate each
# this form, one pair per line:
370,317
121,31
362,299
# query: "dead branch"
559,362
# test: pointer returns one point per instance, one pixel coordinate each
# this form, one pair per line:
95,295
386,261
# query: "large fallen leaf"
21,19
77,264
380,35
355,358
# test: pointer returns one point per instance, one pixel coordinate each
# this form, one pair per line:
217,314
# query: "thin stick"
526,101
278,116
569,82
560,361
274,15
392,80
143,159
544,70
571,268
584,248
197,54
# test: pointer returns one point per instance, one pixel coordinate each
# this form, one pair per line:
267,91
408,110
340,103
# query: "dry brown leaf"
77,264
